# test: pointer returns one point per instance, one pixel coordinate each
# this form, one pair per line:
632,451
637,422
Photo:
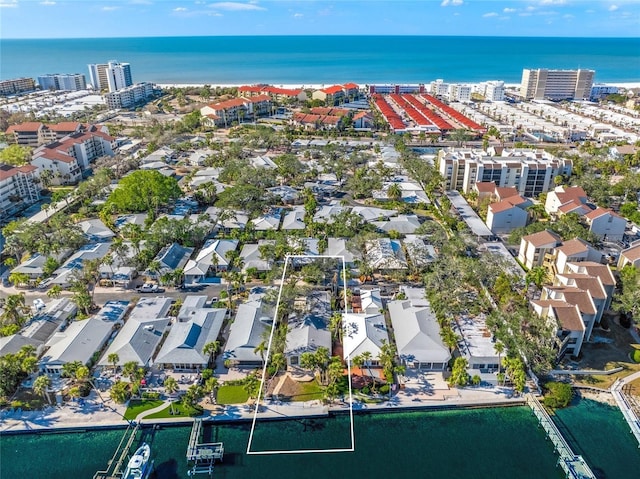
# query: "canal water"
471,443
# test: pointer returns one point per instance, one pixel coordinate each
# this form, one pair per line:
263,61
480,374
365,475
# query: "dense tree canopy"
143,191
15,155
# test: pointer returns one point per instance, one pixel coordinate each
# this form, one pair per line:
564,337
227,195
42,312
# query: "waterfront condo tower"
544,84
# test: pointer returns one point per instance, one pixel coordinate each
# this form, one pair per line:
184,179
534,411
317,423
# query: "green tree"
459,375
394,192
55,291
41,387
143,190
120,392
15,155
113,359
14,310
211,348
628,299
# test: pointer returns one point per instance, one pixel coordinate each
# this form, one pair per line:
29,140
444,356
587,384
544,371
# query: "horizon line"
326,35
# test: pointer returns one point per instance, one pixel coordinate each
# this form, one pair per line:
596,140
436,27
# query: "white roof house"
270,221
404,224
370,300
251,257
327,213
338,247
34,266
212,256
96,230
81,340
477,344
63,275
310,331
385,254
294,219
184,346
370,213
245,334
417,335
363,332
171,258
136,341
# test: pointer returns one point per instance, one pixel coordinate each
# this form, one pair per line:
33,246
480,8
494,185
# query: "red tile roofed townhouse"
351,89
606,224
63,167
18,188
503,192
332,95
506,215
484,189
573,206
27,134
250,90
282,94
311,121
630,256
363,119
533,247
562,195
570,329
236,109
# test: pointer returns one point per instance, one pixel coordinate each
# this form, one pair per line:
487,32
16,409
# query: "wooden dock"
574,466
202,456
114,466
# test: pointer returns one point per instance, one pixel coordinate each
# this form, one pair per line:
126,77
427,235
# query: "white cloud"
109,9
490,14
298,15
553,2
180,9
613,8
8,3
47,2
509,10
453,3
236,6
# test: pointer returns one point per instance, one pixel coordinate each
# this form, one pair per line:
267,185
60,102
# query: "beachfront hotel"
544,84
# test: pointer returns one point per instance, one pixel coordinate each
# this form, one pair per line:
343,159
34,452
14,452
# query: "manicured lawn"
179,410
136,406
308,391
232,395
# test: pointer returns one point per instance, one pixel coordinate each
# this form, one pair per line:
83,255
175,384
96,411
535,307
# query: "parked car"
150,288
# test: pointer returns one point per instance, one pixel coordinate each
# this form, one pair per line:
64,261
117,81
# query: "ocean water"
324,60
478,443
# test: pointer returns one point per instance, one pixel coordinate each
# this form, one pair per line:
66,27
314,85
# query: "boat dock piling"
202,456
114,465
572,464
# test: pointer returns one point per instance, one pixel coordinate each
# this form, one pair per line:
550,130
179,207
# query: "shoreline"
245,418
317,86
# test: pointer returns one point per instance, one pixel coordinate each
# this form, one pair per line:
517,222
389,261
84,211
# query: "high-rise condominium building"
57,81
98,76
118,76
18,85
544,84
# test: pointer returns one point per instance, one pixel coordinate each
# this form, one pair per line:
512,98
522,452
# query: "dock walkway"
572,464
627,410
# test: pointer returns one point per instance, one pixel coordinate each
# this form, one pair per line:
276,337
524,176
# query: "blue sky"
124,18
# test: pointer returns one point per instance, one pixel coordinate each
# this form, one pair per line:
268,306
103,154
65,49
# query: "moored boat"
139,465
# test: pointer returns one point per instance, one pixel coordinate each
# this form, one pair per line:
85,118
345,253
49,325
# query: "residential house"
287,194
574,196
268,222
606,224
403,224
363,120
184,347
570,329
245,334
252,258
34,266
55,316
294,219
327,213
419,252
63,276
171,258
533,247
213,257
385,254
371,214
338,247
370,301
630,256
141,334
477,346
309,331
81,340
573,251
95,230
506,215
417,335
364,333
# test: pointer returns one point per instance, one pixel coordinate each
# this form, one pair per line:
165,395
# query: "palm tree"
261,348
129,369
394,192
170,387
55,291
41,386
210,386
211,349
278,362
13,309
366,359
499,348
335,326
113,358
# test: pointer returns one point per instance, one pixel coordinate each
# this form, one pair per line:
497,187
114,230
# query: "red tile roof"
542,238
28,126
351,86
592,215
332,90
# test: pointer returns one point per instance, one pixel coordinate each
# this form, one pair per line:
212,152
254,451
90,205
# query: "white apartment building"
98,76
544,84
458,92
118,75
491,90
531,172
18,188
129,96
439,88
66,81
